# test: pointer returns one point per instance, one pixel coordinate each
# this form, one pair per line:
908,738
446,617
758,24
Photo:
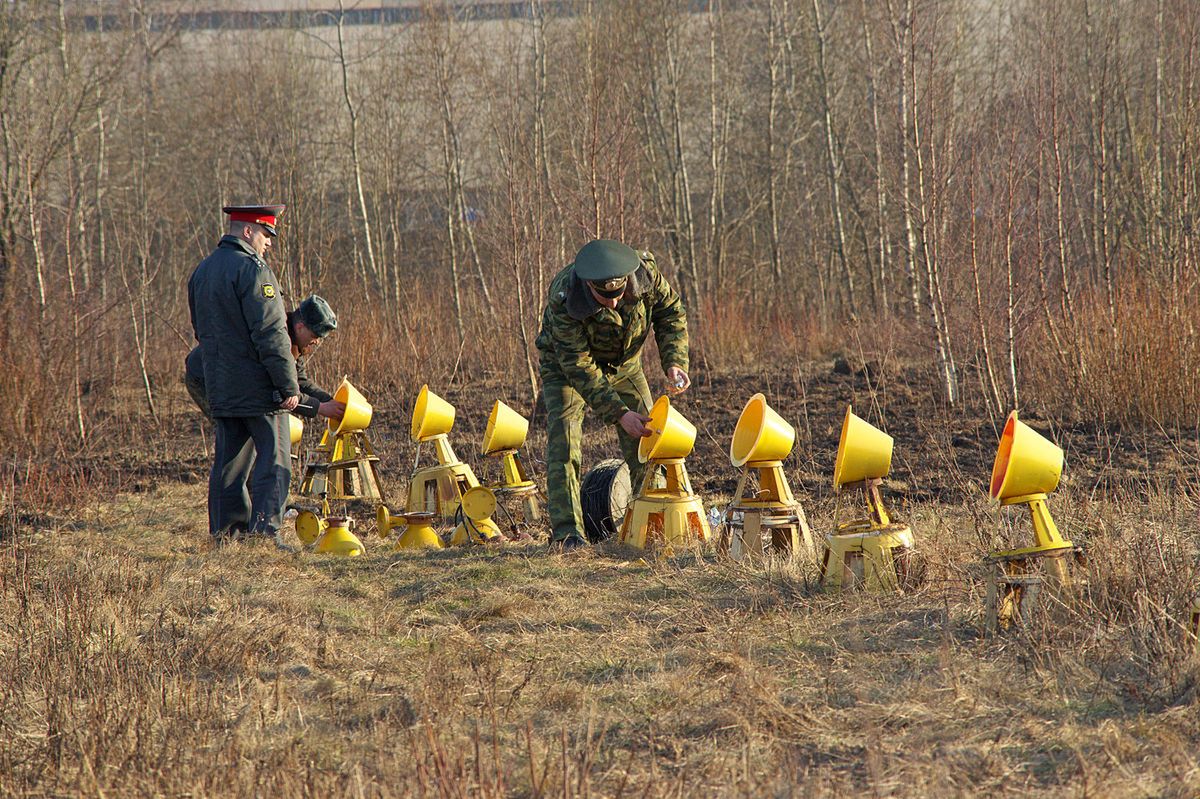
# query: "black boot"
572,543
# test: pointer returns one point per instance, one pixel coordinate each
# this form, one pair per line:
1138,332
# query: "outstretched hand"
677,380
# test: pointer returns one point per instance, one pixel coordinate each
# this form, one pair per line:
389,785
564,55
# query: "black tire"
604,494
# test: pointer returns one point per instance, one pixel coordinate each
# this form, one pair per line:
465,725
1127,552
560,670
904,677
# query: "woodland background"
1005,192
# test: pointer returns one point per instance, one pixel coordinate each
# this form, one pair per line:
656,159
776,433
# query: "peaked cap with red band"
264,215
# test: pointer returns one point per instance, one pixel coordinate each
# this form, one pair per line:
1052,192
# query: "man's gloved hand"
634,424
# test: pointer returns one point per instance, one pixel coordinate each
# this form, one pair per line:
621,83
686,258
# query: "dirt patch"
941,454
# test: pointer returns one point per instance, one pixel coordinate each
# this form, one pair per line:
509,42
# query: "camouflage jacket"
582,342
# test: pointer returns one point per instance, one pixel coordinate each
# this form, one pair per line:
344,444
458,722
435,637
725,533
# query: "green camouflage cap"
605,259
317,316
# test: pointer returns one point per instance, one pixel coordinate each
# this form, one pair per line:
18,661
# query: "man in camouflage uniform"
598,314
249,376
307,326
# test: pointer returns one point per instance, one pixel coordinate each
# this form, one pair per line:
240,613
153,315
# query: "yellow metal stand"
873,559
768,520
667,516
873,552
1014,586
1049,545
343,466
439,489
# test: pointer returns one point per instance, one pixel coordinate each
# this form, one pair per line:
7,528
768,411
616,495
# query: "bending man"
598,313
307,326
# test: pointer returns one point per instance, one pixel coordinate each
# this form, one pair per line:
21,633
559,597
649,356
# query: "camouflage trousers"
564,439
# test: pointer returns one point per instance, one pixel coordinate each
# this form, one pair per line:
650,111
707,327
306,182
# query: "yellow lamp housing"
295,429
309,527
672,436
358,411
864,458
1027,467
506,430
477,527
761,434
1026,462
432,416
864,452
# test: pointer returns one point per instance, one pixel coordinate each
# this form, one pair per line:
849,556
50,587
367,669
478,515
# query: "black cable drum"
604,494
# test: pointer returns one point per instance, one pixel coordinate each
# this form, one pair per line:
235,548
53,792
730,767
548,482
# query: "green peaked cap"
316,314
604,259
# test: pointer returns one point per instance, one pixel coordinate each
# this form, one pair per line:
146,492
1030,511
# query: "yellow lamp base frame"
515,482
350,472
873,552
766,521
439,489
667,516
861,555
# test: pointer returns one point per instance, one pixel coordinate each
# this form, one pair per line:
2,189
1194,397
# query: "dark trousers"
251,474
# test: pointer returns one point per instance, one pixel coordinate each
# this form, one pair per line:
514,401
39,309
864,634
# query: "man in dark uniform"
598,313
249,375
307,326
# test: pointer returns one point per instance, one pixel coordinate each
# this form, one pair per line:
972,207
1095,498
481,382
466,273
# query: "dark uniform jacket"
240,322
311,395
582,342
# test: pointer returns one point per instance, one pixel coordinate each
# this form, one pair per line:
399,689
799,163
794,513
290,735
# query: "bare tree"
833,163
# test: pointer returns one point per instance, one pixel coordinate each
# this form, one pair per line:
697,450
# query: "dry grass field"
137,660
